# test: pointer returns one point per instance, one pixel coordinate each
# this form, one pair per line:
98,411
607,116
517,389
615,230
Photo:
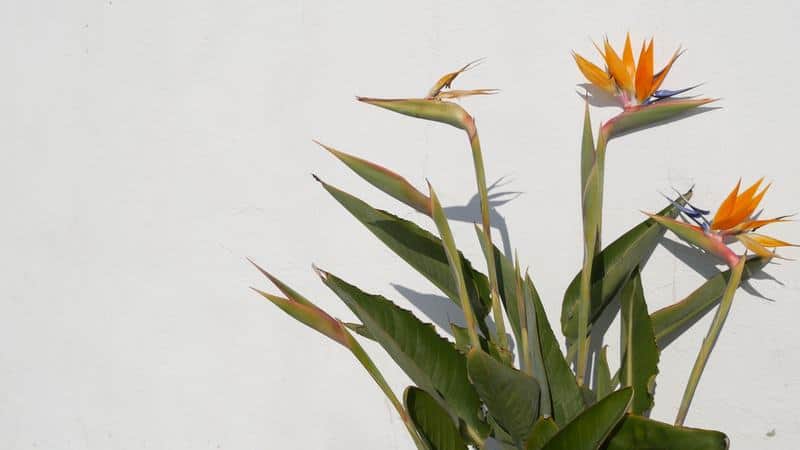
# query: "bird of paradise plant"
468,390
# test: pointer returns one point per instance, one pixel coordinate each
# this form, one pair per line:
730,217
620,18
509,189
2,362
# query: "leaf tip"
320,273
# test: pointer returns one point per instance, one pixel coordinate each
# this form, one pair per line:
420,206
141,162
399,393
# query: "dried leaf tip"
320,273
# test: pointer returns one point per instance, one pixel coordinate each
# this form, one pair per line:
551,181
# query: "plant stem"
480,176
524,348
592,245
369,365
454,261
710,340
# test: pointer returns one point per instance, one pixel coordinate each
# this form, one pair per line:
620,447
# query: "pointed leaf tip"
421,108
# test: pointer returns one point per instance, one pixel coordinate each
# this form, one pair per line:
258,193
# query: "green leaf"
290,293
672,319
312,316
507,286
603,385
639,353
543,430
432,421
384,179
511,396
611,268
432,362
435,110
636,432
592,427
461,335
652,114
359,329
421,250
699,238
565,396
587,146
454,260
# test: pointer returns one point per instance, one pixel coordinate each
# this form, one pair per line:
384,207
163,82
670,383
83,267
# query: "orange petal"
660,76
446,80
726,208
644,72
768,241
595,75
752,225
627,57
745,205
617,68
754,246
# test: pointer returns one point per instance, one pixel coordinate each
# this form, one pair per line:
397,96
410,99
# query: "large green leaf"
420,249
639,353
511,396
589,430
432,421
587,146
635,432
461,335
611,267
602,384
507,281
384,179
543,430
672,319
304,311
454,260
428,109
565,396
432,362
653,114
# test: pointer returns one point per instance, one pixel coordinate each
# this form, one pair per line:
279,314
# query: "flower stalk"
710,340
486,227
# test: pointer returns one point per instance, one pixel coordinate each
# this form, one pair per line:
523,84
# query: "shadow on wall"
471,212
439,309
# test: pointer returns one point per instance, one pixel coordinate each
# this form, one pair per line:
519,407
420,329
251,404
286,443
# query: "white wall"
149,147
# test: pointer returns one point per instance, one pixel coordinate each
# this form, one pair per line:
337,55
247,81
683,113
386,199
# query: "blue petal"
666,93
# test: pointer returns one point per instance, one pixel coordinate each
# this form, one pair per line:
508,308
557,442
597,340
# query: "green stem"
369,365
525,354
710,340
592,247
454,260
480,176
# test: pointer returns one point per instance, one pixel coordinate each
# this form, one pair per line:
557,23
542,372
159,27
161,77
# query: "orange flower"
736,218
633,83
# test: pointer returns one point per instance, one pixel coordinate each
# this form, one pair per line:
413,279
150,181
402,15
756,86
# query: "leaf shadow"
705,265
441,310
471,211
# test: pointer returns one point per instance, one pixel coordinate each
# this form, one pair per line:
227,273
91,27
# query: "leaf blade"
611,268
639,353
435,365
420,249
591,427
384,179
635,432
511,396
432,421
